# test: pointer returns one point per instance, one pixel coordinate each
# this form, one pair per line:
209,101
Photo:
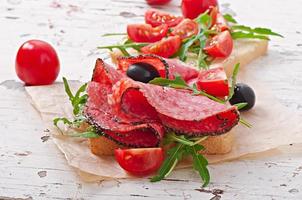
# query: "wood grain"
32,168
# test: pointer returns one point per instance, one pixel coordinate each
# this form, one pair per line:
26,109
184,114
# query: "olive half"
243,94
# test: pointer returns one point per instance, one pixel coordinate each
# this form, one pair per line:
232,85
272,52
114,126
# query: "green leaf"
88,134
241,35
245,123
200,92
113,34
177,82
61,119
240,105
234,80
67,89
182,53
181,139
200,163
123,47
173,156
201,62
266,31
204,20
229,18
257,30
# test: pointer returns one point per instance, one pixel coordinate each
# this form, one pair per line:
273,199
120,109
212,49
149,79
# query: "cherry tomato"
220,46
157,17
219,23
214,82
37,63
146,33
157,2
164,48
185,29
142,161
192,8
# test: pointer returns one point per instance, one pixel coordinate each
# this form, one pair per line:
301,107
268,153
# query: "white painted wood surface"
33,169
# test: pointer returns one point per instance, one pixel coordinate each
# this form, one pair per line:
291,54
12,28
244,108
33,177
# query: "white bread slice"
245,51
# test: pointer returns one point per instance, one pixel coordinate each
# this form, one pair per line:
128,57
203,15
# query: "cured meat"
126,131
167,68
178,110
105,74
177,67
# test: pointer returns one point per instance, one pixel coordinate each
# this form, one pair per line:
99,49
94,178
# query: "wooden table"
31,167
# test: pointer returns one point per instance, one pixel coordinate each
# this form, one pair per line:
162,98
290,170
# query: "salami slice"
177,67
128,131
167,68
105,74
178,110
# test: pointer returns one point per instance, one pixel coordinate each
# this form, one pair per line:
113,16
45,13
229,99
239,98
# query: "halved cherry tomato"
146,33
218,22
214,82
220,46
185,29
164,48
37,63
157,17
192,8
157,2
142,161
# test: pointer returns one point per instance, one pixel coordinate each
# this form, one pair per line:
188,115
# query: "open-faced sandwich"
173,95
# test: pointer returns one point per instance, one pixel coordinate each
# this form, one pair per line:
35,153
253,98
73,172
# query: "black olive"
243,93
143,72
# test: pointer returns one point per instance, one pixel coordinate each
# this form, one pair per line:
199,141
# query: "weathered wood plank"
33,169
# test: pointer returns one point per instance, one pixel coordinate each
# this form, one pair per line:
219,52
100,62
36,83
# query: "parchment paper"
273,126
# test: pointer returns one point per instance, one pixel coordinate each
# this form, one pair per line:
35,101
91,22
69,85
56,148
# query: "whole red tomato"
192,8
157,2
37,63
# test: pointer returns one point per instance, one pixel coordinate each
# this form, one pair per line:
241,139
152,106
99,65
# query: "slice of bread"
244,52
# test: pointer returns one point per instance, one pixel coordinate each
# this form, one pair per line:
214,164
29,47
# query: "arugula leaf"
61,119
266,31
233,79
245,123
182,53
201,63
229,18
204,20
123,47
173,156
200,163
113,34
258,30
240,35
76,101
240,105
177,82
200,92
87,134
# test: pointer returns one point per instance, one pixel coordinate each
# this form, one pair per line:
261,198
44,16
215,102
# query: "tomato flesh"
146,33
37,63
218,22
164,48
157,2
192,8
185,29
214,82
155,18
220,46
141,161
